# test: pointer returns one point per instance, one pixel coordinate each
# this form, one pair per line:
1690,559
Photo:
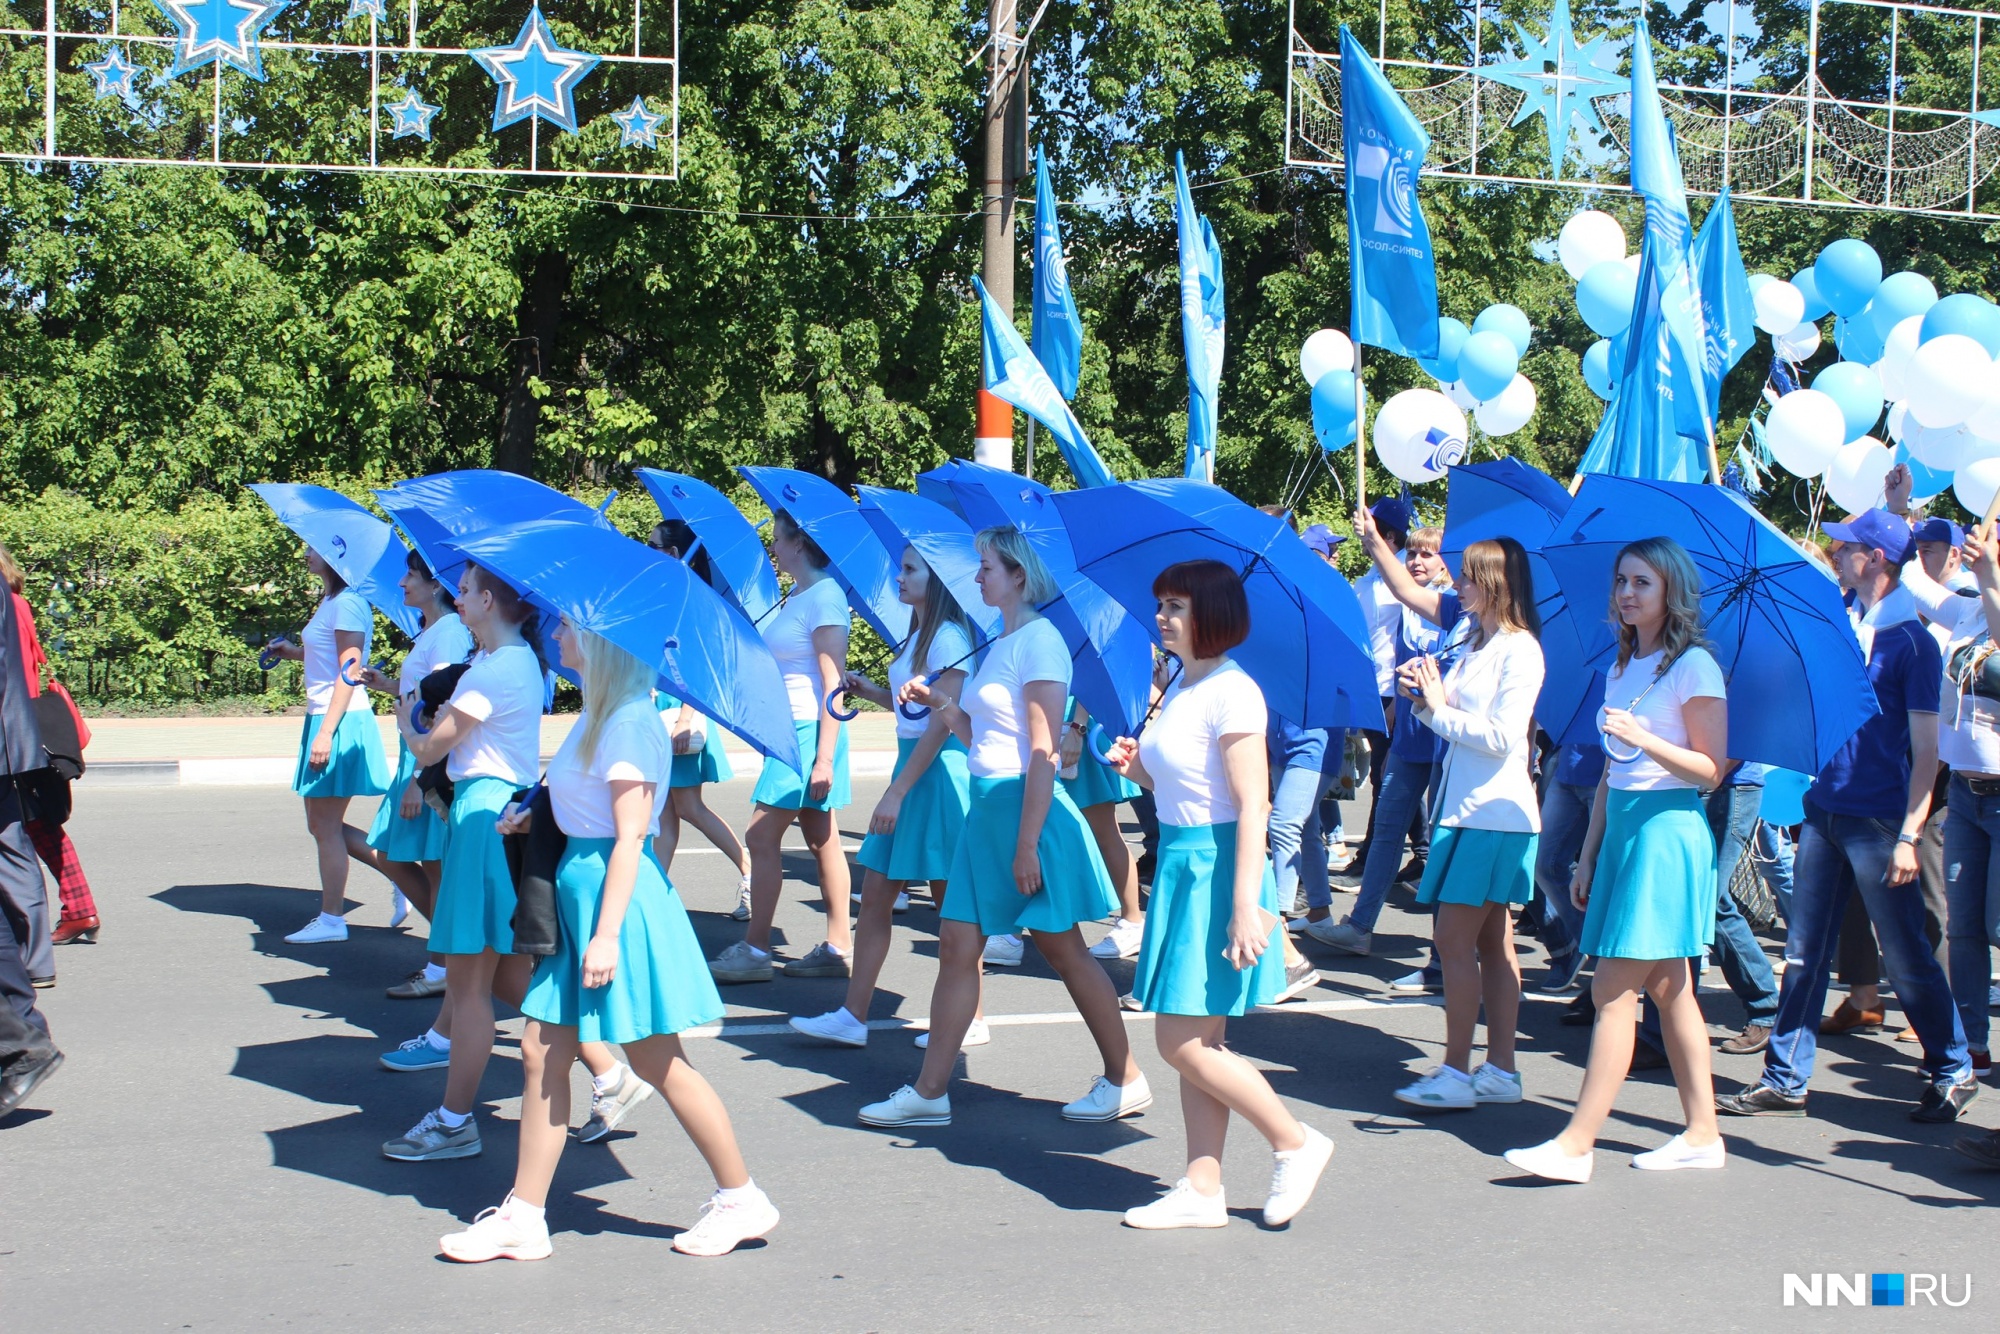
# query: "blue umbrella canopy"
1798,685
1507,498
941,539
363,550
1112,652
735,551
855,556
1308,643
935,486
654,608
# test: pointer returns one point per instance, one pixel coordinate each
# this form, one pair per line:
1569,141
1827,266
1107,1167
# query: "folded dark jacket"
532,859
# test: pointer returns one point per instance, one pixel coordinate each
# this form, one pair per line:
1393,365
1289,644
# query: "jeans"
1732,818
24,1034
1565,822
1841,855
1972,899
1146,814
1398,803
1774,863
1298,853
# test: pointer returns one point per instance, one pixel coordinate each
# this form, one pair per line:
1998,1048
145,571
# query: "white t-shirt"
948,646
1382,612
789,636
502,693
1694,675
633,747
443,642
994,702
345,610
1182,750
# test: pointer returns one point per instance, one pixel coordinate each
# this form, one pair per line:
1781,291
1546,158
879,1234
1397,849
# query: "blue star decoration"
379,8
638,127
412,116
1560,78
113,74
534,76
220,32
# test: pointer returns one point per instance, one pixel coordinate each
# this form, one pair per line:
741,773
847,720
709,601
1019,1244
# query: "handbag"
532,859
63,734
433,693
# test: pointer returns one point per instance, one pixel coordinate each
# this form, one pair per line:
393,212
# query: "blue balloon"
1487,363
1900,296
1856,338
1858,391
1968,314
1333,410
1925,481
1846,275
1509,322
1597,370
1816,307
1605,296
1451,337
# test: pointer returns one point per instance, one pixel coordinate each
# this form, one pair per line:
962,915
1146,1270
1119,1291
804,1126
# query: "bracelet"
1078,728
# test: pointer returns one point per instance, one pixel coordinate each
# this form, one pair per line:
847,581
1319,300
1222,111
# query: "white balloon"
1510,410
1946,379
1897,349
1588,238
1805,430
1327,350
1900,425
1460,396
1854,478
1946,448
1984,419
1780,306
1976,483
1631,261
1799,342
1419,434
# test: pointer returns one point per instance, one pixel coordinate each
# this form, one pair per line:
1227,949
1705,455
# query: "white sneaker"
1107,1101
399,908
609,1110
1122,942
978,1035
1002,951
1550,1162
1415,984
499,1234
1442,1090
836,1026
907,1107
321,930
741,912
1492,1084
1293,1176
1183,1206
725,1226
1676,1154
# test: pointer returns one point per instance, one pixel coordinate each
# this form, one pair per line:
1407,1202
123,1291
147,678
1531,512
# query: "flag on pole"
1201,322
1055,330
1013,375
1390,263
1729,315
1638,436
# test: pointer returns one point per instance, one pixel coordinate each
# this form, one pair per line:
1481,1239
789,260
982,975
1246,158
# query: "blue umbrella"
1798,686
1308,644
935,486
653,607
1507,498
855,556
361,549
941,538
735,552
1113,652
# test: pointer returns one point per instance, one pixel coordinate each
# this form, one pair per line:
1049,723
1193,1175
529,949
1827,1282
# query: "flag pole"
1028,469
1360,438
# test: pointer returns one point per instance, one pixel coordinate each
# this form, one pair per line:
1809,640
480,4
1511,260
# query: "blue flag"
1201,322
1055,330
1013,375
1389,260
1729,316
1637,436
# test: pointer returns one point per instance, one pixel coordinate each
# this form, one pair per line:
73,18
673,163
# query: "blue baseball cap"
1940,530
1877,530
1322,538
1390,512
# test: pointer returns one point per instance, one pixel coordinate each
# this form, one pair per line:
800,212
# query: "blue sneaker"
416,1054
1561,976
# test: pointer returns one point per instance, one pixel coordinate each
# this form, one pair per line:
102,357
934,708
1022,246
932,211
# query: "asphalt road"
208,1158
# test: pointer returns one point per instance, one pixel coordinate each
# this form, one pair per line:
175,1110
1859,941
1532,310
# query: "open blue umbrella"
653,607
941,538
735,552
363,550
855,557
935,486
1308,643
1798,685
1507,498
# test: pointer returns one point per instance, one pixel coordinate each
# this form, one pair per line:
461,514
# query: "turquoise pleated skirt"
981,888
420,839
475,898
1471,867
1096,783
928,826
778,786
662,984
1652,895
707,765
356,767
1181,969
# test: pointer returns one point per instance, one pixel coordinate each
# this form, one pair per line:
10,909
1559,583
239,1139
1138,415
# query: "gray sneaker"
416,987
428,1140
1299,980
741,912
824,961
609,1110
742,962
1342,935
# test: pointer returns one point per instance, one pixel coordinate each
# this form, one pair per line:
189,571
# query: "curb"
276,771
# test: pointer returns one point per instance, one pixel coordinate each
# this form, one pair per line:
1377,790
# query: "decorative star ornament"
1560,78
638,127
378,8
113,74
412,116
220,32
534,76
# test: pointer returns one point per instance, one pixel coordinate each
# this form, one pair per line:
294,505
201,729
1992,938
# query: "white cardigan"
1488,721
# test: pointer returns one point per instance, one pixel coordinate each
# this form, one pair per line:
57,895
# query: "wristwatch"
1910,839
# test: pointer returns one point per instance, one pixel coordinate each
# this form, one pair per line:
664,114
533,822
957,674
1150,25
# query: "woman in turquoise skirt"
1213,941
913,833
628,969
1097,789
1645,879
1025,860
340,749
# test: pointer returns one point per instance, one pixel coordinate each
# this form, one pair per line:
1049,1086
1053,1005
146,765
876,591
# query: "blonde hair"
10,570
1011,549
1680,584
1498,567
612,678
1430,539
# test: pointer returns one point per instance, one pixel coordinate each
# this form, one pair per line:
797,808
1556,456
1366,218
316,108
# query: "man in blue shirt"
1864,818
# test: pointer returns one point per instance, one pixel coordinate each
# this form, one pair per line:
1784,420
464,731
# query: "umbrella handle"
268,660
345,679
1097,747
838,715
916,713
1616,758
417,717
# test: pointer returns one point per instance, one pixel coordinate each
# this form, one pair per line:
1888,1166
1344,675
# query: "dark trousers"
1859,962
23,1031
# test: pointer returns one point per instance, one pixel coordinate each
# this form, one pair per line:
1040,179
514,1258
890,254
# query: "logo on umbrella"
339,545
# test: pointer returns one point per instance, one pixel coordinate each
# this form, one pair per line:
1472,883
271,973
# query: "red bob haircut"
1214,593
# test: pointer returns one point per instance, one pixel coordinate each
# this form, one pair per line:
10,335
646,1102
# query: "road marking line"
735,1028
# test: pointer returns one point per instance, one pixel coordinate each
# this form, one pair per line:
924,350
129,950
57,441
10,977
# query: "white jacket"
1488,722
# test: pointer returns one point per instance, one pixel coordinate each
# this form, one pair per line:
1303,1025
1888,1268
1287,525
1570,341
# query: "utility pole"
1006,163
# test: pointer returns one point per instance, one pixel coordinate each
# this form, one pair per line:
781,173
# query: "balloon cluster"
1591,248
1418,434
1327,361
1480,368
